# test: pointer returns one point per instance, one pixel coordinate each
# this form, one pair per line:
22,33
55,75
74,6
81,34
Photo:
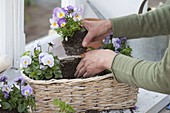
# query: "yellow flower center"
25,62
26,92
77,16
48,62
54,24
61,15
63,24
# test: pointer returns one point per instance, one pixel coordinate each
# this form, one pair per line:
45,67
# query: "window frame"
12,36
12,29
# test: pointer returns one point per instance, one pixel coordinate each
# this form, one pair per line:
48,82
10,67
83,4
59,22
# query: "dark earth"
68,67
73,46
5,111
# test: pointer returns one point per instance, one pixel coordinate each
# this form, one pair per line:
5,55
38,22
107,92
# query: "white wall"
113,8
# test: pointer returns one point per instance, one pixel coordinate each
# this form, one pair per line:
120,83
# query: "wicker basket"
95,93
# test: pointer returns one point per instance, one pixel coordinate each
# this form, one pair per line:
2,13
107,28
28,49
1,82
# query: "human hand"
97,30
95,62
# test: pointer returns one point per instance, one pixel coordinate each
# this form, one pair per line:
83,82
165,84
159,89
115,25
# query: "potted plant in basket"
52,77
66,21
16,98
40,65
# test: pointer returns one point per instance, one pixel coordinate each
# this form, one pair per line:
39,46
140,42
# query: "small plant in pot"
16,97
39,65
66,21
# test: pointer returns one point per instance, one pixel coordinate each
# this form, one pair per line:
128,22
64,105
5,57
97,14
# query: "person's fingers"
87,39
79,67
85,75
85,24
81,72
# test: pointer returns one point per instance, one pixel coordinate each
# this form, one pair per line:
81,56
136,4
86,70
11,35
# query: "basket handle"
142,7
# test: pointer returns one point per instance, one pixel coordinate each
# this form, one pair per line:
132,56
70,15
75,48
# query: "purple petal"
20,80
6,95
124,39
116,43
57,11
3,79
61,22
106,40
70,8
26,91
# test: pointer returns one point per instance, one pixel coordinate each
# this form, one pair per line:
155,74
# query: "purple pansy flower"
3,79
59,12
77,14
62,22
6,88
20,80
26,91
116,43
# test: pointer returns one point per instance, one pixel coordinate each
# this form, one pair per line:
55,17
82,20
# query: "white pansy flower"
41,55
6,88
54,24
48,60
25,61
77,17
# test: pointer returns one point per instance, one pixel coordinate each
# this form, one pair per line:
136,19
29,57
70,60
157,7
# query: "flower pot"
73,46
7,111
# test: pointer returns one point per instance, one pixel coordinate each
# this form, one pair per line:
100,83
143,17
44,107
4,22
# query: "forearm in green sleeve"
156,22
153,76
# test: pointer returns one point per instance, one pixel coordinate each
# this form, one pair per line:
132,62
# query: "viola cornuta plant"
16,97
119,45
39,65
66,21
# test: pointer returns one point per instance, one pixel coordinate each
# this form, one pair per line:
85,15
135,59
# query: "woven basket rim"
66,81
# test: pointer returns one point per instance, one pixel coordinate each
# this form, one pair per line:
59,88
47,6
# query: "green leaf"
6,105
27,53
48,76
64,107
38,72
57,74
21,108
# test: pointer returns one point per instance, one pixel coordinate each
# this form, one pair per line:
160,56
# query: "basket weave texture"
95,93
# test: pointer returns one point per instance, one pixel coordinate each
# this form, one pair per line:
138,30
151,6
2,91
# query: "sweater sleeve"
156,22
153,76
